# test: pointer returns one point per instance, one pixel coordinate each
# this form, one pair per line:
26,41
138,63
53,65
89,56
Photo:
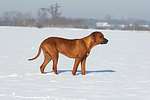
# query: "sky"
96,9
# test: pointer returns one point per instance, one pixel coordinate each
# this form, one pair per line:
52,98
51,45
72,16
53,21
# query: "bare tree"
19,18
56,14
53,10
42,15
7,18
13,18
29,20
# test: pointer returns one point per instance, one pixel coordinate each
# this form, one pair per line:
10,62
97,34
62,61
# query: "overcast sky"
96,9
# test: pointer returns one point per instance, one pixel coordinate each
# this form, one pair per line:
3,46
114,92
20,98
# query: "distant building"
122,25
104,25
101,24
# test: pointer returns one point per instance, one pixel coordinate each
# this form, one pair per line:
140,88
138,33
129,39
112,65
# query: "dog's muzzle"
105,41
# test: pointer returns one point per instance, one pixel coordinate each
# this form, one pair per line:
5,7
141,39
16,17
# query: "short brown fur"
72,48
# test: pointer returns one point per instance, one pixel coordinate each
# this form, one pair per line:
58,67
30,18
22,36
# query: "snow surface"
119,70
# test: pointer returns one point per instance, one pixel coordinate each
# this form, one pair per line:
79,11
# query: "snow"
118,70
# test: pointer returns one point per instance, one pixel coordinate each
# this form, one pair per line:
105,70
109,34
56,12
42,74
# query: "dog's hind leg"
53,52
46,61
55,61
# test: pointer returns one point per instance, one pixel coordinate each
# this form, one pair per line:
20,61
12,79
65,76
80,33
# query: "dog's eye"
101,36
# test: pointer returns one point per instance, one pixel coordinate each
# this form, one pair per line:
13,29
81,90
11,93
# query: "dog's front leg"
83,66
77,61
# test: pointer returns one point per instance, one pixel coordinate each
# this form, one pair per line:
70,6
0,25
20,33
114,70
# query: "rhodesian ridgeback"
72,48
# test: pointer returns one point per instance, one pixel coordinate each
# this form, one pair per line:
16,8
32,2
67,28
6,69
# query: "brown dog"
72,48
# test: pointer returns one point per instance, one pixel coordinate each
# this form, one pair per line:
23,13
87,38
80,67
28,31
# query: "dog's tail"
37,54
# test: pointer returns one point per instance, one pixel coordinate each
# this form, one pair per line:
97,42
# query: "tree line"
45,17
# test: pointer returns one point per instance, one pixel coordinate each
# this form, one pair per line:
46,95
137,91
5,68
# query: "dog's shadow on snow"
86,72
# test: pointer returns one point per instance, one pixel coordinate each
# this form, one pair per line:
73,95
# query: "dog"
72,48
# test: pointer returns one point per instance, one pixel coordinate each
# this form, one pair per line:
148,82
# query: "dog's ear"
93,35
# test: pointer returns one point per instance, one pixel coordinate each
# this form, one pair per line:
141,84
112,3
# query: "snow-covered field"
119,70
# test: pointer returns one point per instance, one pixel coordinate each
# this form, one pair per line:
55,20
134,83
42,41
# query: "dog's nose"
105,41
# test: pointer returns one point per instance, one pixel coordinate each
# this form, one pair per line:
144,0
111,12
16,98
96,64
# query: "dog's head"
98,37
